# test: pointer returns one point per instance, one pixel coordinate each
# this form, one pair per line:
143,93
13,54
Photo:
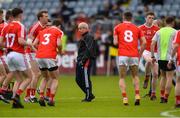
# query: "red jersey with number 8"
128,35
11,33
47,47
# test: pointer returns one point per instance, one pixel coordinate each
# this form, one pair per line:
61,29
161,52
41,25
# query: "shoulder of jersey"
141,26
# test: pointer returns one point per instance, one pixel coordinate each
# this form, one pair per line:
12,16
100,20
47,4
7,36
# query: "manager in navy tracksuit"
86,52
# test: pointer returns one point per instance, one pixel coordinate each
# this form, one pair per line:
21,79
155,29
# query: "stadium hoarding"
67,62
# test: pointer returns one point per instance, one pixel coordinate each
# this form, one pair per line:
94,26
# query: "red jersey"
128,35
149,32
177,40
48,42
2,25
34,31
11,33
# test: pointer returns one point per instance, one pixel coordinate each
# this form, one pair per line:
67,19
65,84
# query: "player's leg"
134,71
43,86
162,85
19,79
169,76
147,58
23,85
154,80
54,85
35,78
19,63
177,89
2,74
48,86
122,62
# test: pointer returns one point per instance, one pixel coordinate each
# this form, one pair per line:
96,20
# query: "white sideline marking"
105,97
168,114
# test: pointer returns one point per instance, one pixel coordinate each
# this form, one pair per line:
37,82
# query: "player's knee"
37,74
148,63
155,75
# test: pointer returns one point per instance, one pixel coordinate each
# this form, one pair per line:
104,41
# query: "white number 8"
46,38
128,36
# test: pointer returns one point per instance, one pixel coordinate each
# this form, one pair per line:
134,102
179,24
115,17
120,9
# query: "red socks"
52,97
19,92
33,92
124,95
48,92
177,99
28,92
162,93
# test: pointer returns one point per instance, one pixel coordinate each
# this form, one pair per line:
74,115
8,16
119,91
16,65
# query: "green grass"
108,102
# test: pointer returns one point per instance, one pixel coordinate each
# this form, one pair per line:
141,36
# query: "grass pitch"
108,102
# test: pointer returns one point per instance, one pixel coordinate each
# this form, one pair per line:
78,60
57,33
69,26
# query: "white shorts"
3,60
30,57
128,61
147,53
46,64
16,61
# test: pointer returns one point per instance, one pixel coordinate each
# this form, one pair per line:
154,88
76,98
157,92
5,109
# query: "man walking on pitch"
164,39
86,52
126,36
149,30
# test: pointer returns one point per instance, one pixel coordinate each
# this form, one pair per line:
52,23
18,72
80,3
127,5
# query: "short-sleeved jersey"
48,38
11,33
177,40
149,33
2,25
164,39
128,35
34,31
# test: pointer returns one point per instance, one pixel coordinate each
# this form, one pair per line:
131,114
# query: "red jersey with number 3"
11,33
149,32
47,47
2,25
128,35
177,40
34,31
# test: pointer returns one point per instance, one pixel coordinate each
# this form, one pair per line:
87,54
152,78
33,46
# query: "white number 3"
46,39
128,36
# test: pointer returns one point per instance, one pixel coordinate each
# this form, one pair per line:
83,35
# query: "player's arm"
2,44
31,34
115,41
143,42
2,36
143,45
153,43
174,50
59,45
115,37
35,44
21,37
176,44
21,41
1,39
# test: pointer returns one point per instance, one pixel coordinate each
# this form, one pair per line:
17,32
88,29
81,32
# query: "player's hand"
153,59
62,52
170,63
81,63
